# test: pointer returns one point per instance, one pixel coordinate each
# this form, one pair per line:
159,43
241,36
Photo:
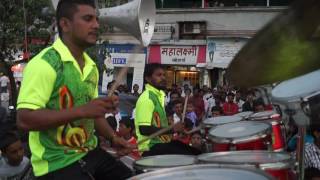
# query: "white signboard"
128,59
137,61
184,55
220,52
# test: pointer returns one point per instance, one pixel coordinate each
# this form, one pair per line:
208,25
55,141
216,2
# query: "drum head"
262,115
214,121
164,161
262,159
239,132
294,89
244,114
204,172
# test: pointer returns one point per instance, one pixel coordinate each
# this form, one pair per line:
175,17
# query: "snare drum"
278,164
278,130
241,136
152,163
245,114
204,172
215,121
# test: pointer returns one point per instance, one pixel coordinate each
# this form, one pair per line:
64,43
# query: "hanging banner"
221,51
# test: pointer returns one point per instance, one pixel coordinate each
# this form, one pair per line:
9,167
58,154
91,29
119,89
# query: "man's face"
135,88
196,140
158,79
216,113
173,97
83,27
230,98
259,108
178,108
14,153
190,107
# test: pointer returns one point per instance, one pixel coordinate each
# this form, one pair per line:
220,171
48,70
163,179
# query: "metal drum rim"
212,125
243,139
285,164
202,166
144,167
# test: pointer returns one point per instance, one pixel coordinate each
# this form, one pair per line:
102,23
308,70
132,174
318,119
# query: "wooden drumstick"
194,130
161,131
184,108
123,72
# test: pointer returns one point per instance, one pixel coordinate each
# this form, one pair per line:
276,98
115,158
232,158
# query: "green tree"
17,19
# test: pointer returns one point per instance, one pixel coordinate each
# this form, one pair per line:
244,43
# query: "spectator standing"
229,107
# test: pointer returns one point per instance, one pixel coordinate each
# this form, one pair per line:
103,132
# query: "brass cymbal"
287,47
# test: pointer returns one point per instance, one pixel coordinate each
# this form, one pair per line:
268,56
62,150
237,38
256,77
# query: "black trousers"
96,165
173,147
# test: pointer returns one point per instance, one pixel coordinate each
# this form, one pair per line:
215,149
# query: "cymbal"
287,47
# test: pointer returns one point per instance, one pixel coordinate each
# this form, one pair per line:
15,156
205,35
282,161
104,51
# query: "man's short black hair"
67,8
150,68
217,108
177,101
7,139
175,92
127,122
230,94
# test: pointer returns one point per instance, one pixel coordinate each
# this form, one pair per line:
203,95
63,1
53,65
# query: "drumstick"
161,131
123,72
184,108
194,130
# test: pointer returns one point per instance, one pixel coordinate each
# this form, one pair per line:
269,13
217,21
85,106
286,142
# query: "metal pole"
300,151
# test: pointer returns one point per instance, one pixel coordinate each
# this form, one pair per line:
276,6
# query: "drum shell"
257,144
281,169
278,129
258,141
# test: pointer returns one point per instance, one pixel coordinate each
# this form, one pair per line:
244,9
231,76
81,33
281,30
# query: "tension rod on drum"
300,151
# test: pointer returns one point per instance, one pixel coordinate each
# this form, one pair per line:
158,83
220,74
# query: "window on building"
192,30
219,3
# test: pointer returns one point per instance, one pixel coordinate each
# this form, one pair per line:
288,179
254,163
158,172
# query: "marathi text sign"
179,54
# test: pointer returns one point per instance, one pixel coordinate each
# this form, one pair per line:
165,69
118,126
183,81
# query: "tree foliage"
14,23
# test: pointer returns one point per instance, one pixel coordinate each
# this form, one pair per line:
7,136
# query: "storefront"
118,56
182,62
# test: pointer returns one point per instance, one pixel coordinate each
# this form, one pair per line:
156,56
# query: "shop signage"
119,61
179,54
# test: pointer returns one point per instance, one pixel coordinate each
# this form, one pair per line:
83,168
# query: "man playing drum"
58,103
151,117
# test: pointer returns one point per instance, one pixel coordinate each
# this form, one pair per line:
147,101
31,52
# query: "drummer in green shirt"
150,117
58,103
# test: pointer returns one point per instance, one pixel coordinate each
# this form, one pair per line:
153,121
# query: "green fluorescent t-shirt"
53,80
